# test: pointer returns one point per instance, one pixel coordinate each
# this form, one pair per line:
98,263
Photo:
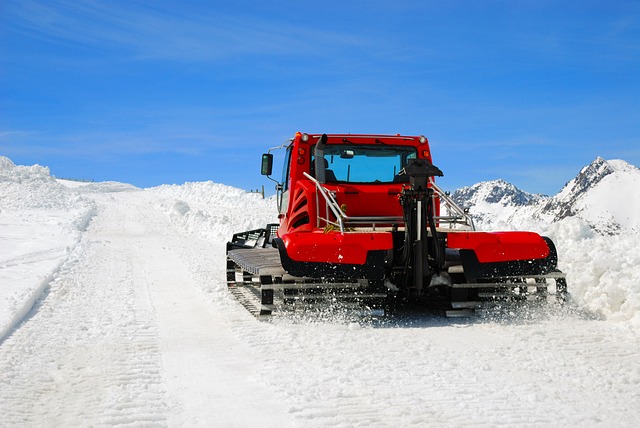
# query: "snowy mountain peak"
620,165
594,173
587,178
496,204
494,192
605,194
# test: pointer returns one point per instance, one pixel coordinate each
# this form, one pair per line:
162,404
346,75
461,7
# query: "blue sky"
162,92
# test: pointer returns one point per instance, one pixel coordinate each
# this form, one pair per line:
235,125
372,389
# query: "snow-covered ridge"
605,195
496,192
497,203
41,221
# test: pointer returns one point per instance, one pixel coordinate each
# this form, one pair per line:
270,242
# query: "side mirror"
267,164
347,154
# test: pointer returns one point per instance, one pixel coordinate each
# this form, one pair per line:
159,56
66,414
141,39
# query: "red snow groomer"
362,220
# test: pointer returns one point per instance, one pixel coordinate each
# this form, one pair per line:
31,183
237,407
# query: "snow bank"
602,271
32,187
602,274
41,221
98,187
213,210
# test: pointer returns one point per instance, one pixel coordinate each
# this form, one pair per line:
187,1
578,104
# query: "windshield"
366,163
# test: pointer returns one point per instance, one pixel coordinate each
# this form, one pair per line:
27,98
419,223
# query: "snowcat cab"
361,219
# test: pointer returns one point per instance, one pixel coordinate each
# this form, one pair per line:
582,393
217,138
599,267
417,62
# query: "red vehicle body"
365,209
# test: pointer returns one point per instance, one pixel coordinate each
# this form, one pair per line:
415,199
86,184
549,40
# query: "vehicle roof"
365,136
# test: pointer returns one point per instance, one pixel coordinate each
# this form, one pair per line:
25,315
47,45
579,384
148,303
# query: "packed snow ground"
133,325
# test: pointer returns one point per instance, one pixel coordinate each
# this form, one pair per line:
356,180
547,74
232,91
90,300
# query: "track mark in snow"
451,373
211,377
124,336
88,354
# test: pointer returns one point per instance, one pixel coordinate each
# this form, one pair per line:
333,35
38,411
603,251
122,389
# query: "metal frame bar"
459,217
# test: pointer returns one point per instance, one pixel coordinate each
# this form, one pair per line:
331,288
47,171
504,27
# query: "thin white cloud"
103,144
167,33
12,134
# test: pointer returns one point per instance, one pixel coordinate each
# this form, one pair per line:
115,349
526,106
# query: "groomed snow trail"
541,370
137,329
125,337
